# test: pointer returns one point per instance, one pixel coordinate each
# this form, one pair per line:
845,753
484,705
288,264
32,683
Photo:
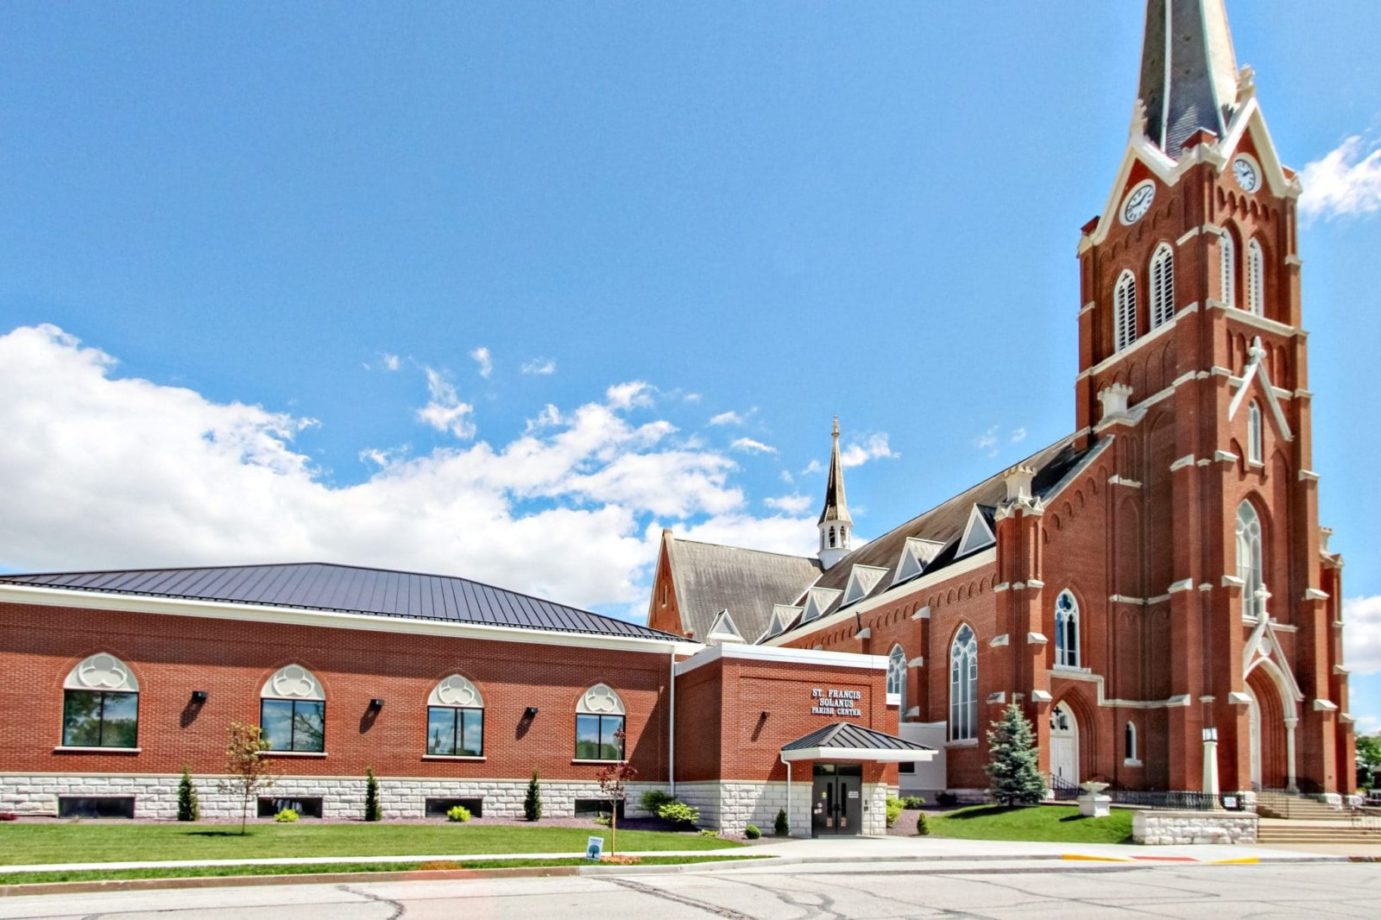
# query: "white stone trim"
293,682
601,700
102,672
779,654
456,691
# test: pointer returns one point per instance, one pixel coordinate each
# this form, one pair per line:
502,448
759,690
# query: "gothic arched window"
1162,286
1124,312
455,719
599,722
896,678
1249,557
1066,631
100,704
1227,268
292,711
1254,432
963,685
1255,293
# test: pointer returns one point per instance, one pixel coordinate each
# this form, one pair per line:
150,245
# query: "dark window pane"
276,720
309,726
587,738
81,718
441,730
120,720
472,734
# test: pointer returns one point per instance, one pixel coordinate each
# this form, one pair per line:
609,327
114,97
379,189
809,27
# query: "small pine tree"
1014,776
373,808
188,808
781,827
532,802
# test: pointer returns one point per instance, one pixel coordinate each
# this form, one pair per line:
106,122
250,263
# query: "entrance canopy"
846,741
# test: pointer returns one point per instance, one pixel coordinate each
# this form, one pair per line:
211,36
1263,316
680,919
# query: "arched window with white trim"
1249,558
1162,286
1066,631
1129,743
1227,268
100,704
1254,432
963,685
896,679
1255,290
292,711
1124,312
455,719
599,724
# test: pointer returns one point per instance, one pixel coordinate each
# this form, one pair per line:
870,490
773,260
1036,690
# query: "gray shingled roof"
746,582
347,589
1197,87
945,522
842,735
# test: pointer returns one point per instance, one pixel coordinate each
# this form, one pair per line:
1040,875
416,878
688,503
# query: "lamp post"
1210,783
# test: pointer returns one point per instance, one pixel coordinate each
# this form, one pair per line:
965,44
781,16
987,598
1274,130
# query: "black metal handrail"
1178,799
1061,789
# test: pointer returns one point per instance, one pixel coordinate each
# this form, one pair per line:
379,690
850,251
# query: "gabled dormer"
916,554
818,600
978,532
862,580
723,630
783,615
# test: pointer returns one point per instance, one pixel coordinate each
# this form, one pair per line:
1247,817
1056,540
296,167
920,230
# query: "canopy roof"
846,741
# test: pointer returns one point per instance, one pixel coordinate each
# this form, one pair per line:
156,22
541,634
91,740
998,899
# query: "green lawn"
30,844
99,875
1054,823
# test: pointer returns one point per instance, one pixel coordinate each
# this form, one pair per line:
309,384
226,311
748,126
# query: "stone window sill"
1070,669
468,757
1130,762
577,760
320,755
966,742
72,749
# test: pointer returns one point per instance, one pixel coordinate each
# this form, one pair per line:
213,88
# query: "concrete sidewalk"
838,850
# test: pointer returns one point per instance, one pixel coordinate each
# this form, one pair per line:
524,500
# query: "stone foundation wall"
1178,827
342,796
731,806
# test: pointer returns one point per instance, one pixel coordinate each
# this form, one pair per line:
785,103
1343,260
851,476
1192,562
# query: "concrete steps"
1298,808
1294,832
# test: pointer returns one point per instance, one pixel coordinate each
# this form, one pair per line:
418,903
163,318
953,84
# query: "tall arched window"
1066,631
100,704
599,721
963,685
1227,268
1129,742
1255,292
831,538
1162,286
896,678
1249,560
455,719
292,711
1124,312
1254,432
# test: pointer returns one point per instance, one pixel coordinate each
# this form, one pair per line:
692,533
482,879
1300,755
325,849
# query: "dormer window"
1162,286
977,533
1124,312
862,580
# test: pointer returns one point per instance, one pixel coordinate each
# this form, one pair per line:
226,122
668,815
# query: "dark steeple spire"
836,527
1188,71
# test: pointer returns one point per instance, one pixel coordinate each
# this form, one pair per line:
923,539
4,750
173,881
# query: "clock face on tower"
1138,202
1246,173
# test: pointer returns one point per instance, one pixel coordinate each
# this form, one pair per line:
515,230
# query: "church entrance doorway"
837,800
1064,748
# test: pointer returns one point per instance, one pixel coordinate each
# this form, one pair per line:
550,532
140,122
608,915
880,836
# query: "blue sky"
296,227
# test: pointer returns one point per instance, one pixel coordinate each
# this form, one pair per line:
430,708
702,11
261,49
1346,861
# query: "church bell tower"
836,527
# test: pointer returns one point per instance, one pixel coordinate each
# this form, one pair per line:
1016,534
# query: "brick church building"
1155,588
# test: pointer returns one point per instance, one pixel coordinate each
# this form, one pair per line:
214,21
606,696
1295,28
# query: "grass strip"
1046,823
103,875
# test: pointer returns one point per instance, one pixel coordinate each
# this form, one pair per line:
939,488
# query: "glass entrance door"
837,800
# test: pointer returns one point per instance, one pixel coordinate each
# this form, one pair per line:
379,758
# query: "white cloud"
1018,435
122,472
812,468
874,447
786,477
987,440
445,411
750,446
634,393
1345,182
777,534
484,361
727,418
791,504
391,362
1362,634
541,367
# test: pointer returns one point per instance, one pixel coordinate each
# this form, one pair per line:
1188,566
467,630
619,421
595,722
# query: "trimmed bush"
286,816
912,802
752,832
894,808
653,800
373,808
782,828
678,813
532,802
922,829
459,814
188,808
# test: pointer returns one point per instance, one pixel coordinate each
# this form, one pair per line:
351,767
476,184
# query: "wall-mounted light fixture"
531,711
1210,734
198,696
376,704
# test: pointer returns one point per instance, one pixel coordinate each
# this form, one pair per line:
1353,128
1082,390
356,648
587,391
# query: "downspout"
671,730
787,764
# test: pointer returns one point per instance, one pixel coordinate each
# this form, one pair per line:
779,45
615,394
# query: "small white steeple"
836,527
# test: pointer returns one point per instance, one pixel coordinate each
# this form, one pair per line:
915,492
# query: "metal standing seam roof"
710,577
848,736
347,589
